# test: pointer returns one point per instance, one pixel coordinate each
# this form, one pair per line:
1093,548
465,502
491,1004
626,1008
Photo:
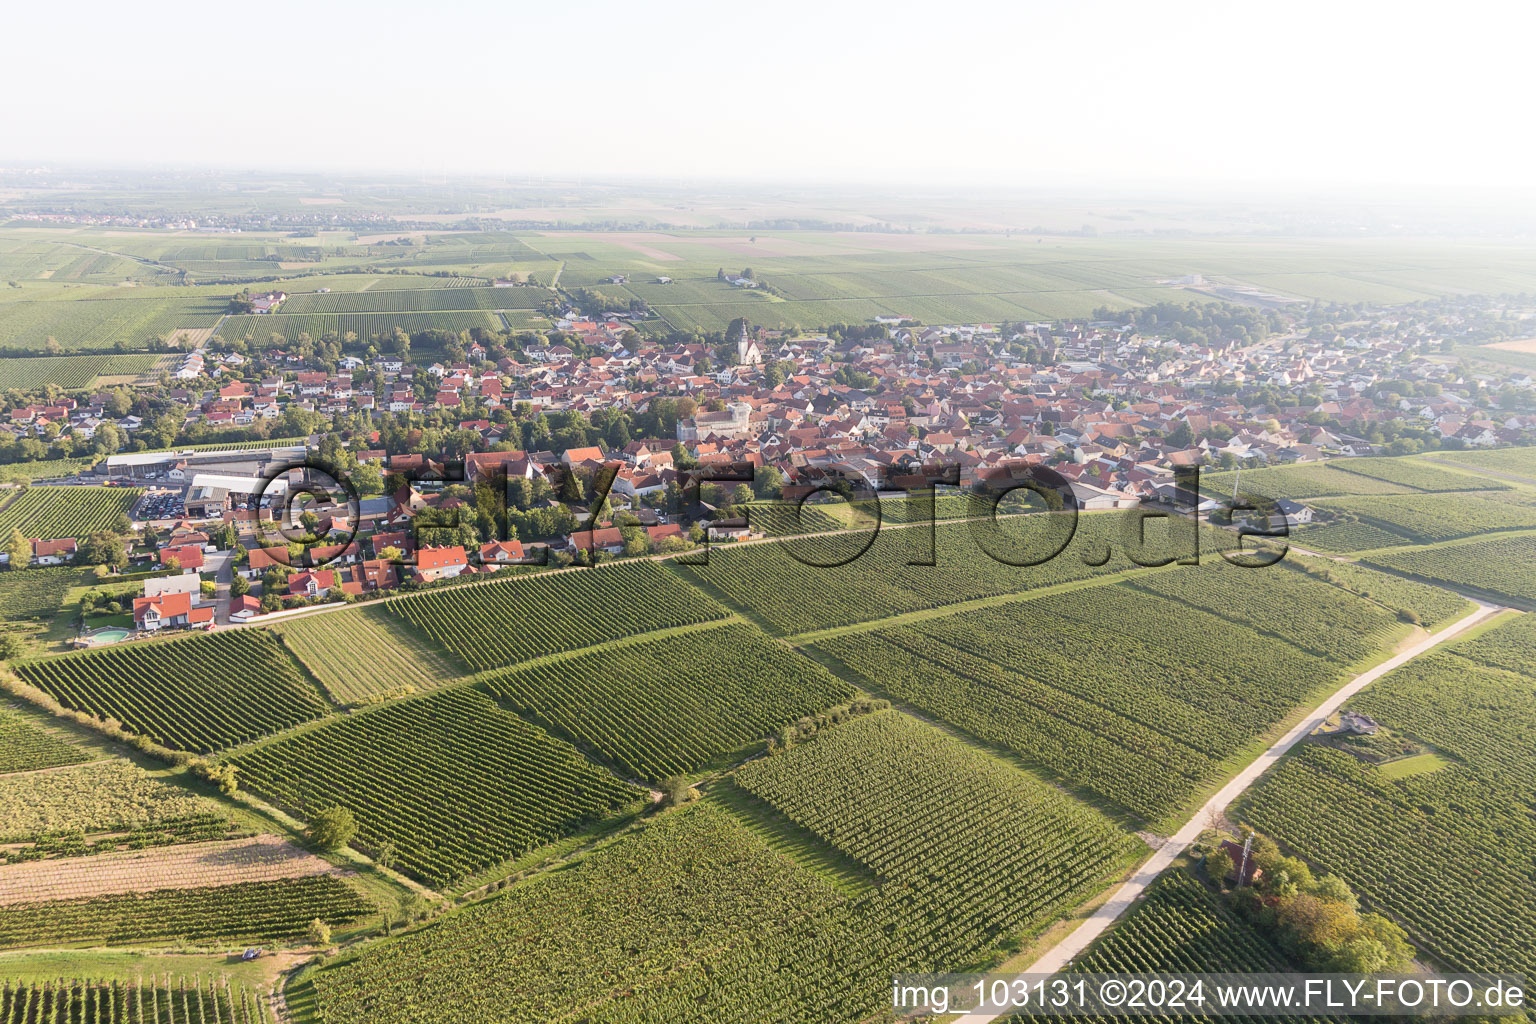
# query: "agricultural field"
1515,461
200,865
1347,537
258,329
1415,473
43,469
30,373
1427,518
51,513
1448,853
700,919
667,706
489,625
1139,700
197,693
25,747
900,572
1500,567
454,782
111,796
1427,605
152,1001
402,300
1309,480
103,325
364,655
35,594
784,519
240,913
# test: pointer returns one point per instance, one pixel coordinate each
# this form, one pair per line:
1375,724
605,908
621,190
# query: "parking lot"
160,505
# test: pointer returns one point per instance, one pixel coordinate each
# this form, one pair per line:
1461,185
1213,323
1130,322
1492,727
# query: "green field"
666,707
102,325
152,1000
25,747
1500,567
362,657
102,797
699,918
258,329
455,783
198,693
56,512
510,620
401,300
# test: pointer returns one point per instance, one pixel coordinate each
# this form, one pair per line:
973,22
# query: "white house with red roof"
440,563
170,611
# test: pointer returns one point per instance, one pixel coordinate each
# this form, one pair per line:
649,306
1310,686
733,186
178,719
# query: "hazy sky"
1016,93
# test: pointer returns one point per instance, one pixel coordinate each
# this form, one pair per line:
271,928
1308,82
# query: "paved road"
1060,955
222,564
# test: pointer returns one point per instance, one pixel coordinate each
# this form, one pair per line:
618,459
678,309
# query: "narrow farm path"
1060,955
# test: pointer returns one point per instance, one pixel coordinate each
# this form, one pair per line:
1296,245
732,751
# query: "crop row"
199,693
1428,518
35,593
363,655
111,796
1137,698
25,747
251,911
402,300
210,1001
1425,604
806,584
699,918
1419,475
54,512
258,329
666,706
452,781
1500,566
1466,899
505,621
27,373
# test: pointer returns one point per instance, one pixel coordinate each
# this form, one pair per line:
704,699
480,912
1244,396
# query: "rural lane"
1058,956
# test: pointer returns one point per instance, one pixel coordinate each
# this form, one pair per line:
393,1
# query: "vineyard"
102,797
667,706
785,519
199,693
257,329
54,512
248,912
1440,868
1450,853
1347,537
35,593
1309,480
1426,518
1421,476
453,781
1515,461
403,300
1429,606
502,622
772,583
698,919
44,469
1328,622
1500,567
25,747
1136,699
29,373
103,324
362,657
207,1001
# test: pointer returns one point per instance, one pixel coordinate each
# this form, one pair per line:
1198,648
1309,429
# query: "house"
244,608
53,552
181,583
376,574
609,539
1290,512
169,611
501,552
259,560
440,563
1244,870
188,556
312,584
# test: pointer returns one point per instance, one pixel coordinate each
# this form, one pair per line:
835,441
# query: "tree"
103,548
19,548
173,563
1219,866
319,933
239,586
384,856
332,828
677,791
10,647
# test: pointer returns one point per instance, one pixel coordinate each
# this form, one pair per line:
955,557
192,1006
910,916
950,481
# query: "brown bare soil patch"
190,866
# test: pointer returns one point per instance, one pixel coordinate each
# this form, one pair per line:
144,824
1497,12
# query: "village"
583,445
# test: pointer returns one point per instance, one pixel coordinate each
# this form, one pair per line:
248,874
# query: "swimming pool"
106,636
